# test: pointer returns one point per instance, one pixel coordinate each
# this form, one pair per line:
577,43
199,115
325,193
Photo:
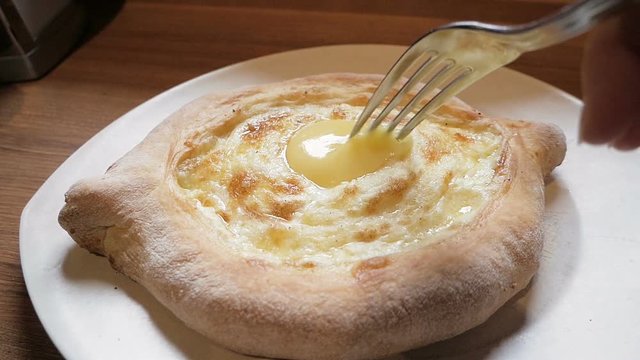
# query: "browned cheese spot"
290,186
205,201
308,265
284,209
302,265
446,182
434,150
201,168
349,192
224,215
258,130
200,148
462,138
241,185
338,113
369,235
358,100
189,143
390,195
366,266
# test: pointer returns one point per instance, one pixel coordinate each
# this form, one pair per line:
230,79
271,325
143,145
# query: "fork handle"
569,22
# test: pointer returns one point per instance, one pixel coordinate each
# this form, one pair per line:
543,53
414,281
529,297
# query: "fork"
454,56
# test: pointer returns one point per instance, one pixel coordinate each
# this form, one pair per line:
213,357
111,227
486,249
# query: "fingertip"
596,126
609,78
630,140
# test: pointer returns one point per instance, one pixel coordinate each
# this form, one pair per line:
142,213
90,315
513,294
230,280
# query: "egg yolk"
324,154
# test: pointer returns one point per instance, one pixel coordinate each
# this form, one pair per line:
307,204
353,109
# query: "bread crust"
135,217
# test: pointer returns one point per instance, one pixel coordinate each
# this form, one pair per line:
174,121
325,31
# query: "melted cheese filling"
324,154
253,178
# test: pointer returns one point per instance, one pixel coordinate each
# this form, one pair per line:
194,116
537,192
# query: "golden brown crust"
380,306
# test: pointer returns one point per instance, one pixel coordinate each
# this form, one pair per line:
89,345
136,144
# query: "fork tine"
431,85
419,74
452,88
400,66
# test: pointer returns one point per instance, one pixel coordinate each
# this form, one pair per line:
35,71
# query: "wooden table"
153,45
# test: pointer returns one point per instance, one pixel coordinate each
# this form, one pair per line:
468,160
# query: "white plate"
582,304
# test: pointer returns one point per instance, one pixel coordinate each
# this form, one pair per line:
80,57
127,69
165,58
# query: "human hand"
611,83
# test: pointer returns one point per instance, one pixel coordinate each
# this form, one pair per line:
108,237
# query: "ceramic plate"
583,303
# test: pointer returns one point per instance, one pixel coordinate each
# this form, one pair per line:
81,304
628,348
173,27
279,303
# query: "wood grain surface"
150,46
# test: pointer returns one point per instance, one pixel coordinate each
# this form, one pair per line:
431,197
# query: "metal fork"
456,55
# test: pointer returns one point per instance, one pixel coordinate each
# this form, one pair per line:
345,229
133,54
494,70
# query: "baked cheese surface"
238,174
